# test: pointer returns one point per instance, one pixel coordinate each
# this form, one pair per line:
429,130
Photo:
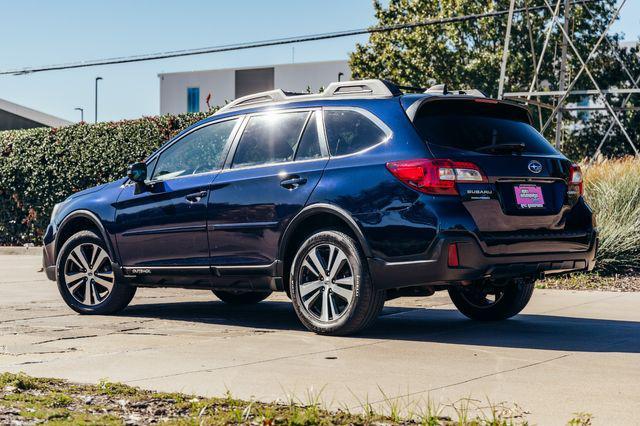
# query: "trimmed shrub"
40,167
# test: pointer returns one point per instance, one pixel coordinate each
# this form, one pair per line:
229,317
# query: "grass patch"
28,400
591,282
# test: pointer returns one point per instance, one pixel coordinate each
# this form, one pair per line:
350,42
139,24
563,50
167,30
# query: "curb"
24,251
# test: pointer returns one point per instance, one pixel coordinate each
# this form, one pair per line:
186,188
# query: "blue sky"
51,32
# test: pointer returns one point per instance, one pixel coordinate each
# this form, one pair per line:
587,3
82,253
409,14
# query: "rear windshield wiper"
503,147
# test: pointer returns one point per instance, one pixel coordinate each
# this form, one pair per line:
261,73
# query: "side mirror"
137,172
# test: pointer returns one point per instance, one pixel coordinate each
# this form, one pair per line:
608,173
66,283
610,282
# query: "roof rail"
256,98
374,87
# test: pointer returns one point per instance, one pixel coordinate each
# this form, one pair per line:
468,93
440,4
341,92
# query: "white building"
188,91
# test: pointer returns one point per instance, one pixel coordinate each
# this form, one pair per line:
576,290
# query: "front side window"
193,99
270,138
350,131
201,151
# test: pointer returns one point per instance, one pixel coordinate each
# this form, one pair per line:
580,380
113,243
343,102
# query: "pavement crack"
143,333
463,382
61,351
38,317
85,336
246,364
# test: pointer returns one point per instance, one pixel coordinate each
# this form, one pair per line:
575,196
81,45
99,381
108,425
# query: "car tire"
241,297
474,301
86,279
330,286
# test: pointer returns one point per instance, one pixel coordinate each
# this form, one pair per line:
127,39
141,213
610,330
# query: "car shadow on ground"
447,326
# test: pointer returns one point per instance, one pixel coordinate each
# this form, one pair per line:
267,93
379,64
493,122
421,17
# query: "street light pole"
96,110
81,114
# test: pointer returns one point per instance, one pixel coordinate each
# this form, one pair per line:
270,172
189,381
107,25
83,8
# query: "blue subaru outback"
343,200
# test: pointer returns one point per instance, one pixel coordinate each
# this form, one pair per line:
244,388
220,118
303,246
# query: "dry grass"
612,189
597,282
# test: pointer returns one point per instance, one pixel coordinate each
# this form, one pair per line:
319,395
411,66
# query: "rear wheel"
86,279
483,302
240,297
330,286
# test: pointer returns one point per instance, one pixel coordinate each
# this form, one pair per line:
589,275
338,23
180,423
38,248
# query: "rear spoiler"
412,108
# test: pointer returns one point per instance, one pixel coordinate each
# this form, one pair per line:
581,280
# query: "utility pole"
96,110
563,70
81,113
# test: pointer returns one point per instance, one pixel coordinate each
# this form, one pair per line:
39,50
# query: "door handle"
293,182
195,197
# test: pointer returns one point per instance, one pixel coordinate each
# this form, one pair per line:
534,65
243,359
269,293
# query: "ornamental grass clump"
612,189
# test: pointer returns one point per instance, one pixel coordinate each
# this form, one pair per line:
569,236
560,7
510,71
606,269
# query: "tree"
467,54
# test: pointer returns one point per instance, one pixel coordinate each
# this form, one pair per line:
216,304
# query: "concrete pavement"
568,352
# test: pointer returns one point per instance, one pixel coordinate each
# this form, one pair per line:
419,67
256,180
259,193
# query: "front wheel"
484,302
330,286
86,279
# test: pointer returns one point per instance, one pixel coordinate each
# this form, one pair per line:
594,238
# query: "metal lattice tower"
566,90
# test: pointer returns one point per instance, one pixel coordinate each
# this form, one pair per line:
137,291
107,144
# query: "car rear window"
476,126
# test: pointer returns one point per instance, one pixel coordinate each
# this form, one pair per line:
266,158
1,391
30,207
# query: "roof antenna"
438,88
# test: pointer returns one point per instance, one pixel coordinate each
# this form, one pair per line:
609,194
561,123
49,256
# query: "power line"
272,42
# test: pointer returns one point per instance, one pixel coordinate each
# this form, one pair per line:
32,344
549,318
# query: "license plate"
529,196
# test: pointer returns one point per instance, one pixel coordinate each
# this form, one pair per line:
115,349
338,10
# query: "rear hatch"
527,193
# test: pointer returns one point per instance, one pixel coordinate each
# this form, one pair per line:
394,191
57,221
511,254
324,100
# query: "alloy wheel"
326,283
88,275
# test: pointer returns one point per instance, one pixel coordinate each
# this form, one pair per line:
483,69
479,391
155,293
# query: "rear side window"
309,146
269,138
480,127
350,131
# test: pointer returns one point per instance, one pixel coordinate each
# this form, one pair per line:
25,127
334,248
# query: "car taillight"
435,176
575,179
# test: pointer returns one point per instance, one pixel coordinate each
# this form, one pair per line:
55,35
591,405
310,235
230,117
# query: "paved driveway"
569,352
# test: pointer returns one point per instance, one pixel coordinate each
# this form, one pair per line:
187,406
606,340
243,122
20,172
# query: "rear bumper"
476,264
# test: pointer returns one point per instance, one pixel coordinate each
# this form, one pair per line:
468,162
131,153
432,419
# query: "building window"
193,99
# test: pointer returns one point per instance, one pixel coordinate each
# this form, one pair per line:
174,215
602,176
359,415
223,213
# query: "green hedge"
40,167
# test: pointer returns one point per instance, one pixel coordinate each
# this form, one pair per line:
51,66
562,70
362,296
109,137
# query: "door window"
350,131
201,151
309,145
269,138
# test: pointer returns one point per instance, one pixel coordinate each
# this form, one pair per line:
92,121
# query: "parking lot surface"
568,352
